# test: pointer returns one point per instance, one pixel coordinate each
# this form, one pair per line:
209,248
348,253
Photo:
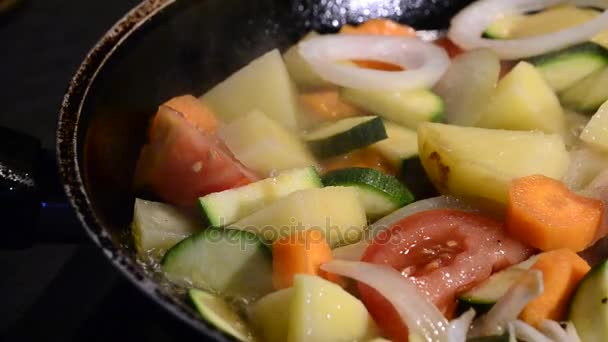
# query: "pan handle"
33,206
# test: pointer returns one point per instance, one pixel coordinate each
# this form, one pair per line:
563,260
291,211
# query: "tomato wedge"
445,252
182,163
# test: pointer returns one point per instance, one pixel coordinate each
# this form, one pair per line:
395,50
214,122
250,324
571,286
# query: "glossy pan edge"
67,151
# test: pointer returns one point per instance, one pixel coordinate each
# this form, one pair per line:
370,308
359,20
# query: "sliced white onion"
459,327
467,27
355,251
508,307
571,332
556,333
420,316
424,62
520,330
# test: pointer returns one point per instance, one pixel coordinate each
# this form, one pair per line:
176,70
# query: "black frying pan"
160,49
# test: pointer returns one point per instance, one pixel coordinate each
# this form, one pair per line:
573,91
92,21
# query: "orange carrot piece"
385,27
562,271
380,26
376,65
545,214
326,105
300,253
194,110
365,157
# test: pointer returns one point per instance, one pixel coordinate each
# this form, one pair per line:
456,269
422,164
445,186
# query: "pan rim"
71,176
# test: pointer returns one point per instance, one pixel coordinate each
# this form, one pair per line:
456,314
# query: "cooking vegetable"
408,108
182,163
194,111
231,262
326,105
483,296
467,85
588,94
271,315
355,251
588,310
549,20
433,245
523,101
525,288
380,193
228,206
458,163
368,157
243,92
217,312
299,253
380,26
585,165
424,63
313,310
543,213
345,135
595,131
562,69
157,227
401,144
467,26
300,71
336,211
263,145
410,307
562,270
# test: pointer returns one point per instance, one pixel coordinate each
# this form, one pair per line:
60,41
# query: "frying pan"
160,49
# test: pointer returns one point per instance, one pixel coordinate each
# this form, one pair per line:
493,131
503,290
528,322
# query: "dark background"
62,292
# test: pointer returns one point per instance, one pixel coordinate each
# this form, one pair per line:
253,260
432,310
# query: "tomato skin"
445,252
182,163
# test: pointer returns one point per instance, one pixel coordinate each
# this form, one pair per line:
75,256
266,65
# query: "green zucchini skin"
380,193
358,136
589,306
564,68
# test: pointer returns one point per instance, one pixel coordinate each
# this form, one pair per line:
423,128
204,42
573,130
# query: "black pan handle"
33,206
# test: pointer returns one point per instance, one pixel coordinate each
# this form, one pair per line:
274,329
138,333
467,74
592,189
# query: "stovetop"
63,292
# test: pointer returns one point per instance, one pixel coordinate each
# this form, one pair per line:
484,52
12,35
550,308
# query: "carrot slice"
545,214
194,110
380,26
562,271
327,105
365,157
300,253
385,27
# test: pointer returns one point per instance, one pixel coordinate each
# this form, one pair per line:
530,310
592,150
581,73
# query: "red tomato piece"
445,252
182,163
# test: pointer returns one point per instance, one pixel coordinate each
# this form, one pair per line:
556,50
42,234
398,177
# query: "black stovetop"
62,292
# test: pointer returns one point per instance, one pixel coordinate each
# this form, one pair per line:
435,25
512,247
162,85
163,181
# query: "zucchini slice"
402,143
231,262
345,135
218,313
380,193
407,108
156,227
589,306
561,69
226,207
588,94
489,292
